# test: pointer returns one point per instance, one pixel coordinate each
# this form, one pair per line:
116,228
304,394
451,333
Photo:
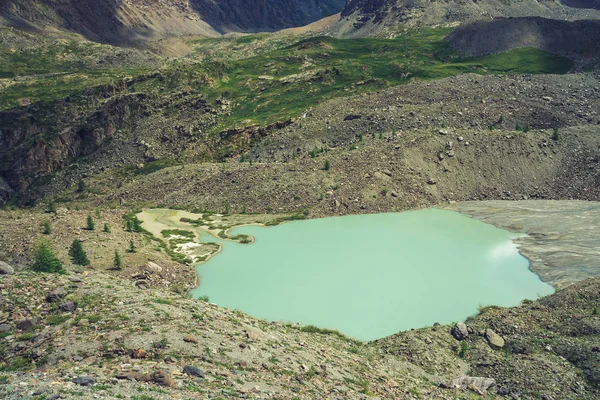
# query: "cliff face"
31,152
131,21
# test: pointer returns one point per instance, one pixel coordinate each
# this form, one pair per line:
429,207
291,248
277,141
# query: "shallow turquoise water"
370,276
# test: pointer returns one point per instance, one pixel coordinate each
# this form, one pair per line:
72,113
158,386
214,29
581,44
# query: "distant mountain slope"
125,21
380,17
577,39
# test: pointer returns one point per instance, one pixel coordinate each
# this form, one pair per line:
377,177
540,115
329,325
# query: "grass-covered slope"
281,83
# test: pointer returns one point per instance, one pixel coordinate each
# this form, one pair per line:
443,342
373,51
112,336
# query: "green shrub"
327,165
46,228
45,260
106,228
56,319
81,186
464,348
555,134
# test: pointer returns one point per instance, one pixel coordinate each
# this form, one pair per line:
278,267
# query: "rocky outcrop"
31,147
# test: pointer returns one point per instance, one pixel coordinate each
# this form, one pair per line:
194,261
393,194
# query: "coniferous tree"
81,186
131,247
90,223
46,228
137,225
129,226
77,253
106,228
45,260
117,261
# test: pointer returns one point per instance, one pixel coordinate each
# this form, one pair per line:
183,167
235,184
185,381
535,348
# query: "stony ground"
562,236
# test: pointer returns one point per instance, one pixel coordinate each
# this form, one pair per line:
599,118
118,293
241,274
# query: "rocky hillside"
135,21
386,17
132,333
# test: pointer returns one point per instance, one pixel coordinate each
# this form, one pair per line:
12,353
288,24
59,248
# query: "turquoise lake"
370,276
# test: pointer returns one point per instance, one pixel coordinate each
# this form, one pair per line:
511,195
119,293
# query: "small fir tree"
327,165
117,260
81,186
77,253
46,228
45,260
52,207
129,226
106,228
90,223
131,247
137,225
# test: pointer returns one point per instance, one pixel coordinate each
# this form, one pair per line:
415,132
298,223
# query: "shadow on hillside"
595,4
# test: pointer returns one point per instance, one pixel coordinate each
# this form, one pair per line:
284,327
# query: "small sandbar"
199,236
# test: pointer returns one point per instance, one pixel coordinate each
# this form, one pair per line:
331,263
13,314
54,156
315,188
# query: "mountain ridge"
124,22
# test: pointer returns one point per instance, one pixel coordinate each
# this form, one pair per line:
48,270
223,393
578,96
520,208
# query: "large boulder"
496,341
56,295
459,331
6,269
152,267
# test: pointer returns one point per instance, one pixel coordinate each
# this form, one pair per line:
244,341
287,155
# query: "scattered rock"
190,339
459,331
162,378
4,328
84,381
431,181
478,384
6,269
69,306
56,295
83,322
387,172
27,324
139,353
394,194
352,117
495,340
193,371
443,132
